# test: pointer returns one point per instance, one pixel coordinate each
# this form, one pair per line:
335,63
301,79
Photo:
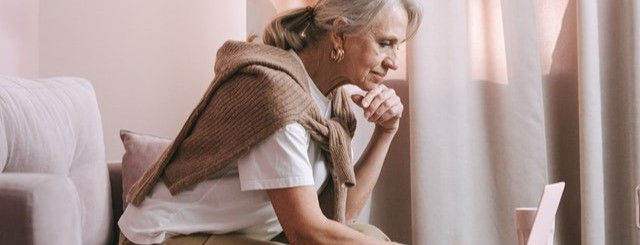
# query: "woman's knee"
370,230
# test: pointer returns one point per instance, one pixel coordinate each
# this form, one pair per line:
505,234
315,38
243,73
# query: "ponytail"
297,28
288,30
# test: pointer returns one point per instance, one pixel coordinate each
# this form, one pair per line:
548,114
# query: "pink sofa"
54,182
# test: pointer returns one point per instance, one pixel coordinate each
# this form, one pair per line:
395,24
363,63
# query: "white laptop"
546,214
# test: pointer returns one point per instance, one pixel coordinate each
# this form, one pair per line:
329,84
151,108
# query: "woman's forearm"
299,214
367,171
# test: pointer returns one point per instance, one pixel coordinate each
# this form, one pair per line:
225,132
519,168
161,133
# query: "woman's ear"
337,36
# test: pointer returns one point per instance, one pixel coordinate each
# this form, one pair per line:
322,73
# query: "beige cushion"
140,152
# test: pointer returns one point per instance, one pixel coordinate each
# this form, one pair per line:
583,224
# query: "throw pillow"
140,152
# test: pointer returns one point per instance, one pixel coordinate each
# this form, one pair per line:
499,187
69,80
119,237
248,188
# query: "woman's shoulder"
241,50
236,55
266,88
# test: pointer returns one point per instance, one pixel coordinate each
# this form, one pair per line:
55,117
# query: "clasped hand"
381,106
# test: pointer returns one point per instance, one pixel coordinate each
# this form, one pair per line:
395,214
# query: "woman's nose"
390,63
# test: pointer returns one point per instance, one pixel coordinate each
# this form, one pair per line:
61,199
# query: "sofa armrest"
39,208
115,177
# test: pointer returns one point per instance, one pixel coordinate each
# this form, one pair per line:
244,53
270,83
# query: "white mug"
524,222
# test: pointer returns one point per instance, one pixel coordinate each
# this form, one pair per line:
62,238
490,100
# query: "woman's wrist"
388,131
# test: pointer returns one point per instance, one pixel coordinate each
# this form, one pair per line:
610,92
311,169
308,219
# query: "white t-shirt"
235,199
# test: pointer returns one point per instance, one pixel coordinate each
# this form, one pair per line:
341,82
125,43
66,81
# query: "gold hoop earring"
337,54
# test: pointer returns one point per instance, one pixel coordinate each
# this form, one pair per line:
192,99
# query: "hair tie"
310,13
308,18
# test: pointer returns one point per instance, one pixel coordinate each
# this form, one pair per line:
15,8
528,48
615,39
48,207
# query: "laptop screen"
547,208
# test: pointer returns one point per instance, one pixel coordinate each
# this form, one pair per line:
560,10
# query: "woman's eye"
385,44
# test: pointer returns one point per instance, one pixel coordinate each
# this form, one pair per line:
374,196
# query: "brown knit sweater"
257,90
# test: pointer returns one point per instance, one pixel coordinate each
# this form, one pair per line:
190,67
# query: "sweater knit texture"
257,90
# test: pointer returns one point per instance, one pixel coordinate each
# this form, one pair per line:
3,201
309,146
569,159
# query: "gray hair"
297,27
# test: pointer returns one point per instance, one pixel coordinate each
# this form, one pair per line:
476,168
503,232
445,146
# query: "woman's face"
368,57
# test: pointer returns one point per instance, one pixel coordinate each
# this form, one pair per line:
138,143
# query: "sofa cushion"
140,152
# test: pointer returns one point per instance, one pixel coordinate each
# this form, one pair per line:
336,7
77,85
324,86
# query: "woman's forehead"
392,23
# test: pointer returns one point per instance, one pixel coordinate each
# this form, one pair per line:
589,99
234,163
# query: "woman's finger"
378,101
385,107
357,99
368,98
391,118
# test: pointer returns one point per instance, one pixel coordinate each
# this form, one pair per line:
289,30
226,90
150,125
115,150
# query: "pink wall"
19,38
149,61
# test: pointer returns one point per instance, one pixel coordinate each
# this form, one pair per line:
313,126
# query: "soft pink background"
19,38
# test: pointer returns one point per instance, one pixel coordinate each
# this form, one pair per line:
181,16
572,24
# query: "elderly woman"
267,149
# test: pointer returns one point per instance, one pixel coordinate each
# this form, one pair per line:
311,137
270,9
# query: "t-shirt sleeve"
281,161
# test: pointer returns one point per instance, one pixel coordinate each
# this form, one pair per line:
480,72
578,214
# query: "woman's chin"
367,85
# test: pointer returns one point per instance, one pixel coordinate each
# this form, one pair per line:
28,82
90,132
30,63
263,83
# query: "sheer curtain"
507,96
